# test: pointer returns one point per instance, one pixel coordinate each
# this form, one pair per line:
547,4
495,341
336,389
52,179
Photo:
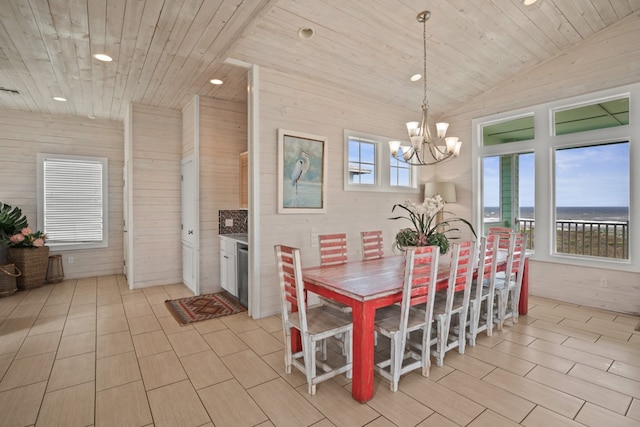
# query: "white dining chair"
482,289
508,283
315,324
451,305
413,315
372,244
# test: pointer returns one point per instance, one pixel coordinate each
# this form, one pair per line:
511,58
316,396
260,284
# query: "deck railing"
609,239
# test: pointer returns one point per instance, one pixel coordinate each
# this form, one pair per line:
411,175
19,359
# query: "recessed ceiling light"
59,98
306,33
102,57
216,81
528,2
416,77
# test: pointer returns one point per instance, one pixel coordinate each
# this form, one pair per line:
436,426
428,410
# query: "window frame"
104,243
544,146
382,164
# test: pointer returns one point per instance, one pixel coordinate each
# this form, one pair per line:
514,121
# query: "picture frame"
302,172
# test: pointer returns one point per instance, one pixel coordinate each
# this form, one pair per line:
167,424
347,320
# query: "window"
362,161
369,166
72,201
592,200
567,185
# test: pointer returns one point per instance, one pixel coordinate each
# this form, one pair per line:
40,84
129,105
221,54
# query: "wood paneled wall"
23,135
297,104
223,136
609,59
156,208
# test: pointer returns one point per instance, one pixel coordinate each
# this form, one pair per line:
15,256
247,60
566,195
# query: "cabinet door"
228,266
224,275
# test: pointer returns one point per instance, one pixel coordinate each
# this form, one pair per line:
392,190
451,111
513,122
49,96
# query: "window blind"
73,200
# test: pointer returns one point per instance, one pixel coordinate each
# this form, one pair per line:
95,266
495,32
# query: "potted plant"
25,248
11,221
427,229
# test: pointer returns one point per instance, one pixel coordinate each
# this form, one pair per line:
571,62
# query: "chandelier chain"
425,101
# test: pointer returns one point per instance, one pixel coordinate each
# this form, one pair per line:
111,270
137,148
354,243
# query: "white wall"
223,136
293,103
156,154
23,135
609,59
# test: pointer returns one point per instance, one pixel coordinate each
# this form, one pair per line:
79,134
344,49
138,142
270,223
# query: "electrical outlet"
228,222
314,242
70,260
604,283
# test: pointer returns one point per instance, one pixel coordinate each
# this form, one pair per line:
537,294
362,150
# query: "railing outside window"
607,239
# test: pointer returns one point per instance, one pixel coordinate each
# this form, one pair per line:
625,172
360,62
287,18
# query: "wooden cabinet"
228,265
244,180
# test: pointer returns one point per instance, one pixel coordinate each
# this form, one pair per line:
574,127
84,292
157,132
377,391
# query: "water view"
588,213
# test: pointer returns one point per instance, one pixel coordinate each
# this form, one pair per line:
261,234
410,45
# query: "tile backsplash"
239,219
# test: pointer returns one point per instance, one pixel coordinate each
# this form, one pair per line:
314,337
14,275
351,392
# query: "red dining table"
366,286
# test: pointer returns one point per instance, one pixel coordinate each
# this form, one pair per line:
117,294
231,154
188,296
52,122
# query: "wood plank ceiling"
165,51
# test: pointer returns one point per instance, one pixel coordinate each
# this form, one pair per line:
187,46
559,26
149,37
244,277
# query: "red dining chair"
315,324
372,247
508,283
333,248
453,303
504,233
413,315
482,289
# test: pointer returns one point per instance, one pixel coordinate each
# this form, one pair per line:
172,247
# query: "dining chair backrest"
504,233
420,276
488,259
333,248
515,258
292,295
463,257
372,247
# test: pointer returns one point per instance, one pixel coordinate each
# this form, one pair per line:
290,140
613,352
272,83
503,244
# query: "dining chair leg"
310,362
287,353
426,351
396,361
349,355
462,328
489,309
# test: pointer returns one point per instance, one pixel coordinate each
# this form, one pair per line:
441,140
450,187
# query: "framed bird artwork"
302,177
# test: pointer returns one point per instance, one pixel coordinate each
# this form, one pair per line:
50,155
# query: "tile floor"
91,352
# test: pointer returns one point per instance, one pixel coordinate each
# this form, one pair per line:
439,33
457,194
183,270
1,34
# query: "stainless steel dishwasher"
243,273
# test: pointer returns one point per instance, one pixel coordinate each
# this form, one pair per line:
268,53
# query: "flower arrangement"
26,238
427,229
11,220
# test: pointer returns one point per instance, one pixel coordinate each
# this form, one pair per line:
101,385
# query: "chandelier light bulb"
442,129
393,147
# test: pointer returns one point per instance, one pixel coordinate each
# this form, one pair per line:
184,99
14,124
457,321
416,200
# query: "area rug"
203,307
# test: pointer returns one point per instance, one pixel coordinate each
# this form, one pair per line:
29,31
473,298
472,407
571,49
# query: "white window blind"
74,200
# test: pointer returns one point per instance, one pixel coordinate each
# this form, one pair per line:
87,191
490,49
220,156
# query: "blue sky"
588,176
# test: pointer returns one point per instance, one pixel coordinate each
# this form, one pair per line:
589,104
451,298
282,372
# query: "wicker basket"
32,262
8,274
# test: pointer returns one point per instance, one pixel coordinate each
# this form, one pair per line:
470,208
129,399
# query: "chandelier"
426,149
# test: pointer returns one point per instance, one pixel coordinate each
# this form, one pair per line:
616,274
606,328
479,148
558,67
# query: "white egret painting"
301,169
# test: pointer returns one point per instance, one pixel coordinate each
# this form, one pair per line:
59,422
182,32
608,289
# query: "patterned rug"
203,307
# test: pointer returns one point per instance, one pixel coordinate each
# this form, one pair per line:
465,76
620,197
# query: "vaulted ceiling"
165,51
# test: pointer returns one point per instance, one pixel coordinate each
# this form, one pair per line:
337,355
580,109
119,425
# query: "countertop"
239,237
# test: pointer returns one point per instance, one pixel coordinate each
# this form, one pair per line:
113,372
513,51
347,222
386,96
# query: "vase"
33,263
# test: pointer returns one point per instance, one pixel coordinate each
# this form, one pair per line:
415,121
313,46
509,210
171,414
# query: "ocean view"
588,213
